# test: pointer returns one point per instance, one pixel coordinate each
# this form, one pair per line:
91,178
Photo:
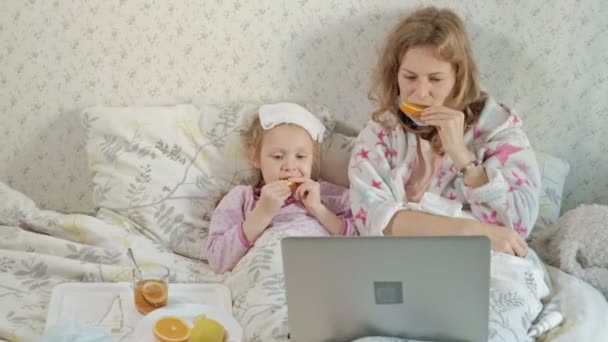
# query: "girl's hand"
450,127
273,197
309,192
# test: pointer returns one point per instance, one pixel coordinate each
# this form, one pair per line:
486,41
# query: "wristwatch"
468,167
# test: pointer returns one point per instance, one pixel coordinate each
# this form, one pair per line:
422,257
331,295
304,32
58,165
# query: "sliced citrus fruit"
412,109
292,185
171,329
207,330
199,318
154,292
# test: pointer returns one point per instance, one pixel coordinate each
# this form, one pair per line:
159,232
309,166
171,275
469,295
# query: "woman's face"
424,78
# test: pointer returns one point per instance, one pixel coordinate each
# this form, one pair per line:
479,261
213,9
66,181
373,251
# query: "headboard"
548,61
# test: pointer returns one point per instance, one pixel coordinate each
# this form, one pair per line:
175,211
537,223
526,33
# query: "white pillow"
334,158
161,170
553,172
156,167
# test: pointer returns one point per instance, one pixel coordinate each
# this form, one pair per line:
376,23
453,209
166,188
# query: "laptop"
422,288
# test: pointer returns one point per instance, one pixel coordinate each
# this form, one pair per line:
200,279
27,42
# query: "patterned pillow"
553,177
161,170
334,158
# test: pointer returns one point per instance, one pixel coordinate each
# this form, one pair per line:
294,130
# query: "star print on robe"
519,228
376,184
363,153
492,218
357,166
361,215
503,152
476,131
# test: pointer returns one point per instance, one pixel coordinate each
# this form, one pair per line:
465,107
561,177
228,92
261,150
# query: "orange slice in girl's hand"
412,109
292,185
154,292
171,329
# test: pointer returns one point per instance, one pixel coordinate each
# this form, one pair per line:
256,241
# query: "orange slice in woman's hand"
171,329
412,109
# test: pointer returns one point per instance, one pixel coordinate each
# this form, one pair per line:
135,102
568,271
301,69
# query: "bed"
157,173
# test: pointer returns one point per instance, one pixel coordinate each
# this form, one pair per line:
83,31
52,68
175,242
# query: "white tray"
111,304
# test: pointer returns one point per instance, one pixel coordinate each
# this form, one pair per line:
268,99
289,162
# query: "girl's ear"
254,158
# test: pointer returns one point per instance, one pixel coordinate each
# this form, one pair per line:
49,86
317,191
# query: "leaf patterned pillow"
335,157
161,170
553,173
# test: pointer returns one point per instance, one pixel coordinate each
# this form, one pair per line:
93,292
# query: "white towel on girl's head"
272,115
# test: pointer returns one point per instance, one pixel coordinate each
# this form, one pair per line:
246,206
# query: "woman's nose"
422,90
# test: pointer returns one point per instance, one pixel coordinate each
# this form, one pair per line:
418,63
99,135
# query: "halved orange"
207,330
412,109
154,292
171,329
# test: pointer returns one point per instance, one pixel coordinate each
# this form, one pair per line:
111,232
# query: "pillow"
161,170
335,156
553,173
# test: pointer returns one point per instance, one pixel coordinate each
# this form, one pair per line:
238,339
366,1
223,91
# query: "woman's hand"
450,127
504,239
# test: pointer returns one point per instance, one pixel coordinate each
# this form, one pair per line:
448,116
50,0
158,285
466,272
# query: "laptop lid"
425,288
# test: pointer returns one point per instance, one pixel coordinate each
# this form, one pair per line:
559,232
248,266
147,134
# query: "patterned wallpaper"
546,59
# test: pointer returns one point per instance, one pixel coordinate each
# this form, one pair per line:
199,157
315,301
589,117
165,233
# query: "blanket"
577,243
40,249
260,303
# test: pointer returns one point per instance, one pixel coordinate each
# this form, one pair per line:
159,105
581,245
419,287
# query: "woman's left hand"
450,127
309,192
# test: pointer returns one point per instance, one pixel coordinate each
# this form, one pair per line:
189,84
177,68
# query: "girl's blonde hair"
445,31
253,137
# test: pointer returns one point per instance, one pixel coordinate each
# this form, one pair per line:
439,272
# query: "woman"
440,157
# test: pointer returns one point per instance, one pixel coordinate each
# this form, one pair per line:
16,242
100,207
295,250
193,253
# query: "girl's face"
286,151
424,78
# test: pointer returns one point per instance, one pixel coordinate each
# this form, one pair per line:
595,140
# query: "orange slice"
154,292
412,109
171,329
292,185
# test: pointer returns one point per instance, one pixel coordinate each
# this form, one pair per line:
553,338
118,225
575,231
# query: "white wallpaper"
546,59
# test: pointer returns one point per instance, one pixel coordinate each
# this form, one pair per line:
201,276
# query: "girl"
284,144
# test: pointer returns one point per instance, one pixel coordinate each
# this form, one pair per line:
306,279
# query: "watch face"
472,164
